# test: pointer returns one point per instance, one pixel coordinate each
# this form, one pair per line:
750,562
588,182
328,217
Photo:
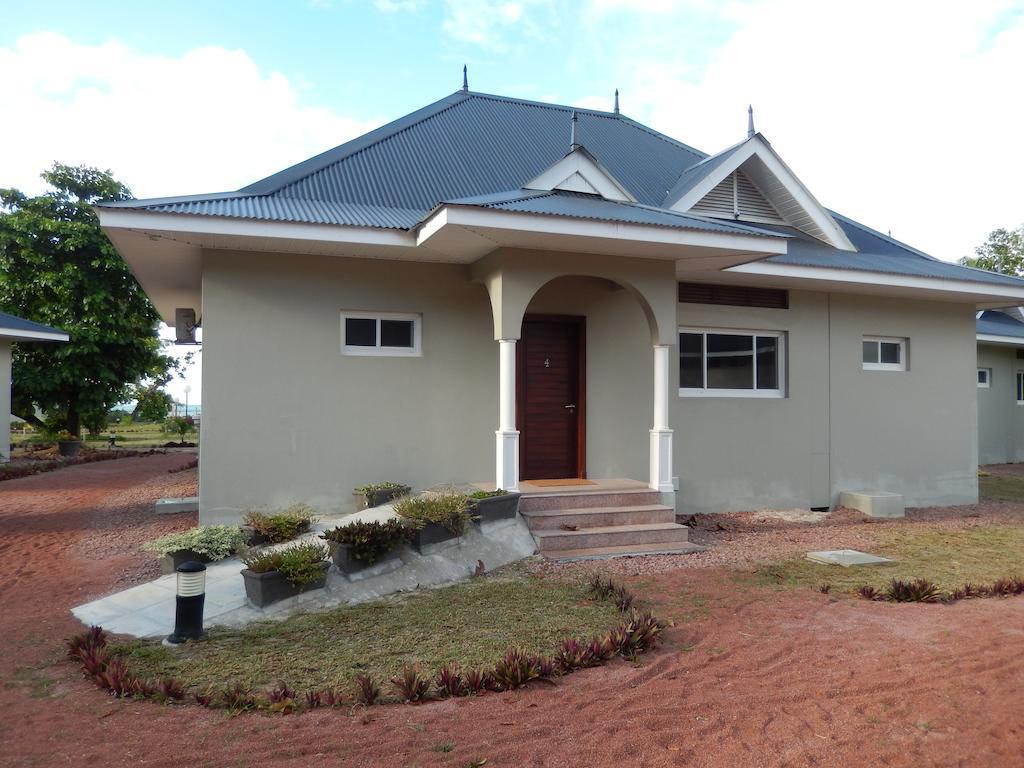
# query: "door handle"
571,407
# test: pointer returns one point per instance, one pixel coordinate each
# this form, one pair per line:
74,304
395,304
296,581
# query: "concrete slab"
846,558
148,609
874,503
172,505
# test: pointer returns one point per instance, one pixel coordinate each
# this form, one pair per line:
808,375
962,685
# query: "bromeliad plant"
449,509
299,563
488,494
212,541
280,526
924,591
369,542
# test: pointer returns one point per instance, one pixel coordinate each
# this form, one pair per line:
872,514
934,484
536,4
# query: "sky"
903,115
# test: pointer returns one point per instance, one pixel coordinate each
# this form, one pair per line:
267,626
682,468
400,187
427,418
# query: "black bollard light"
188,609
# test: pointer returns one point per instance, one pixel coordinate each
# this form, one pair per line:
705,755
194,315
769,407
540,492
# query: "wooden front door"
551,393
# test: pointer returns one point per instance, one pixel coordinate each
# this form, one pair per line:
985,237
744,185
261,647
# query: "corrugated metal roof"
875,253
995,323
469,145
583,206
15,323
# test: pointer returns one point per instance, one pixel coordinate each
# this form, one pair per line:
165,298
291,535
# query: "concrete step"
611,536
625,497
630,550
598,517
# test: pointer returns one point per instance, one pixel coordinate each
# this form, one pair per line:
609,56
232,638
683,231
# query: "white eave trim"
18,334
991,338
756,145
863,277
469,216
580,163
148,221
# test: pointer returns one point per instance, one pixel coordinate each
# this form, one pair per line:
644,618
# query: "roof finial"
465,78
750,121
616,101
574,143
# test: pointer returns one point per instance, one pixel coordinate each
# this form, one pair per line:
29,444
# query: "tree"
1002,251
152,404
58,268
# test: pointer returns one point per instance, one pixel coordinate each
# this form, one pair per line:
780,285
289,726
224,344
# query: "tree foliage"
58,268
1002,251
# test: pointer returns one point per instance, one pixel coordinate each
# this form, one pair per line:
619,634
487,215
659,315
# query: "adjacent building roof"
479,149
995,323
19,329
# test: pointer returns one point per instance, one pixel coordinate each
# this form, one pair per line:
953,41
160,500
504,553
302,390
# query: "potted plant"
490,506
360,545
375,494
68,444
272,575
435,517
202,544
273,528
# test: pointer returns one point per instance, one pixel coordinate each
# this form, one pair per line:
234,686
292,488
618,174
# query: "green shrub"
369,542
299,563
448,508
488,494
214,541
373,488
280,526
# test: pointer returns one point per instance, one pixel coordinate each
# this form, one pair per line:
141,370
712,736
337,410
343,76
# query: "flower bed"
27,467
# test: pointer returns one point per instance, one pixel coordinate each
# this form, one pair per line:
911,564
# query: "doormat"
562,481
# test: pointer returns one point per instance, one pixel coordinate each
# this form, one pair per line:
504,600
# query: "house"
493,289
1000,335
16,329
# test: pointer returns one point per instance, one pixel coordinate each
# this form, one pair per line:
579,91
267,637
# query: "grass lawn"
950,558
134,436
471,623
1001,488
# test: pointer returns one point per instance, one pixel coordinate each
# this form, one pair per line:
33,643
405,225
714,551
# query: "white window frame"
704,391
1020,387
378,351
987,383
880,366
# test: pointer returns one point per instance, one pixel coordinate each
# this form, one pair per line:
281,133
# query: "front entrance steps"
606,519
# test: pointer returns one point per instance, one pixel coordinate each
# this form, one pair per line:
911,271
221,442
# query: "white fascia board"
758,146
18,334
1009,341
581,162
116,218
971,290
460,216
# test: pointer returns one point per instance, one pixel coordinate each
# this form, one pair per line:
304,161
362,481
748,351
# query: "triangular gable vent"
736,197
579,171
577,182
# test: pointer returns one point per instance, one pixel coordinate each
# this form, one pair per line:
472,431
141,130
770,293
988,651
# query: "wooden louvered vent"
733,295
736,197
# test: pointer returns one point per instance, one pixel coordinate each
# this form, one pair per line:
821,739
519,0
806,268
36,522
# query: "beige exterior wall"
5,397
840,427
1000,418
287,417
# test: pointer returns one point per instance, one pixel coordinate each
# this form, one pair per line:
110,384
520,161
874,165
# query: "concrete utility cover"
846,558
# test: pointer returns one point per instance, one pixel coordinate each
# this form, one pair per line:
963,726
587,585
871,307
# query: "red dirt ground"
748,677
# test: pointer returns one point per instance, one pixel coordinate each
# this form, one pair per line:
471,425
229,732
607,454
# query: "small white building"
14,329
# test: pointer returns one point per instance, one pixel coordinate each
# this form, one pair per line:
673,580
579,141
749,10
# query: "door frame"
580,322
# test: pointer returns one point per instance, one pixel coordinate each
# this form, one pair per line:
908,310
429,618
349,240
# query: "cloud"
208,120
395,6
490,23
901,115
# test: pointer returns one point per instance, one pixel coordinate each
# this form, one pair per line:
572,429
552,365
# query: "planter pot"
262,589
68,448
431,533
496,508
376,498
169,563
355,570
254,539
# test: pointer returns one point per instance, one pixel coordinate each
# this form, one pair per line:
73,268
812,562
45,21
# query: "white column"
661,433
507,465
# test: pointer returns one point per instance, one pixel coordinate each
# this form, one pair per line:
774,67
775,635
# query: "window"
984,377
884,354
725,363
1020,387
380,333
